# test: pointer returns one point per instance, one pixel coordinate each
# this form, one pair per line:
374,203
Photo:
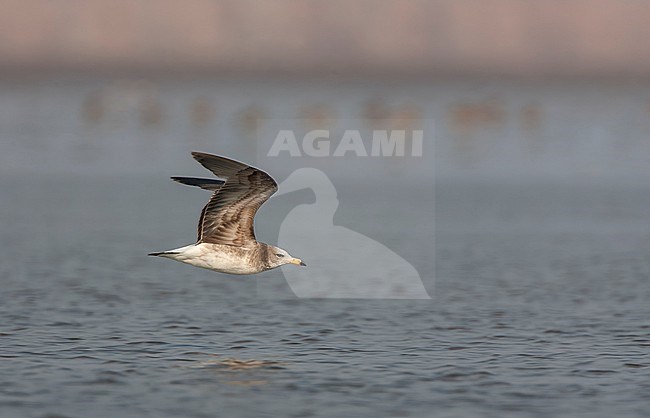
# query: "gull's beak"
297,262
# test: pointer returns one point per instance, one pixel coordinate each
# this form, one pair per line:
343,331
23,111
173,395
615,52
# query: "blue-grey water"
547,317
539,290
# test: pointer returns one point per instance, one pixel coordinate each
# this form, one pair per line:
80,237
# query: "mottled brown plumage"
226,235
228,218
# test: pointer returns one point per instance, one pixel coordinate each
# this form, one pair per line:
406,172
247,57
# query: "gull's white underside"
217,257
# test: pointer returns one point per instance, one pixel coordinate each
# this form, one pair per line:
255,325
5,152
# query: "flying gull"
226,238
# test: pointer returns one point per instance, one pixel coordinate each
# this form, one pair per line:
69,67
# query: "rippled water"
540,308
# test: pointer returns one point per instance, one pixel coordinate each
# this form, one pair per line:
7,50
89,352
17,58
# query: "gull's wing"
229,215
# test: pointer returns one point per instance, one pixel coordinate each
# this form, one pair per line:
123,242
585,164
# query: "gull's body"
226,238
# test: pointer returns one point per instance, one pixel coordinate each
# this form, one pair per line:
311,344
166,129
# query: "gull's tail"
206,184
172,253
163,253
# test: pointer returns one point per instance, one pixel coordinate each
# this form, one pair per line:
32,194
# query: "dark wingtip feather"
206,184
199,156
220,166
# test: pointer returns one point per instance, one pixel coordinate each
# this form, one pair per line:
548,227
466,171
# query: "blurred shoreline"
163,74
396,37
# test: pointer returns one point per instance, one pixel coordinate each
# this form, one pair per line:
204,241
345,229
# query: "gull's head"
279,257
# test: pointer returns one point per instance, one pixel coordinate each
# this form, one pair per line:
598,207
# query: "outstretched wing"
228,218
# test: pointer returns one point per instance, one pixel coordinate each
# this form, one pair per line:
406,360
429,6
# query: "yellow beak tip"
298,262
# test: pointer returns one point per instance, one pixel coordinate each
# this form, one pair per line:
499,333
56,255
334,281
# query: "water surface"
545,317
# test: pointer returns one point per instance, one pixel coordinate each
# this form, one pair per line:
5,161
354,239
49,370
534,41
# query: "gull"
226,237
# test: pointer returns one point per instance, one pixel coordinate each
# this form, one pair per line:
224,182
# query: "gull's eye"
280,255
